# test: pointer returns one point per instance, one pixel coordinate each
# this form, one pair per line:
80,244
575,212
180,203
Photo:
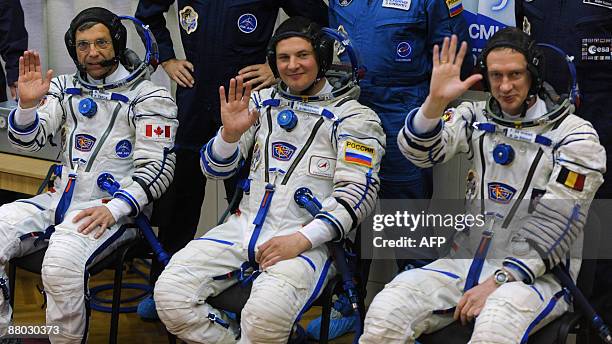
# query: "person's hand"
13,88
235,113
446,85
95,217
471,303
31,83
281,248
179,71
259,76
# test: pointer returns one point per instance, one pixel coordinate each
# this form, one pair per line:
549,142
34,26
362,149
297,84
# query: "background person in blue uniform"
394,40
13,42
582,29
220,39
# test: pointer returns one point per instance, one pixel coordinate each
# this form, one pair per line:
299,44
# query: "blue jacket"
229,35
583,30
13,42
395,47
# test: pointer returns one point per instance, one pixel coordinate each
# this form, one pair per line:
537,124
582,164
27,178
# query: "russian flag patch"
454,7
358,153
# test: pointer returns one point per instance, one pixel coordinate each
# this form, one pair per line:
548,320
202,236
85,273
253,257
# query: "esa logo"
595,49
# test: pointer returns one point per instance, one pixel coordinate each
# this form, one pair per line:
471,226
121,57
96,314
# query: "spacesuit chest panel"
284,158
289,151
101,138
524,177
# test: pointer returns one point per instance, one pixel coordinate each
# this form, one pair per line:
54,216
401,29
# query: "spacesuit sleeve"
151,12
443,21
360,142
155,122
223,167
452,135
560,215
50,115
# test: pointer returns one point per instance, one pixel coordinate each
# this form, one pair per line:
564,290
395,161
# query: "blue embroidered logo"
247,23
500,192
282,151
123,149
403,50
84,142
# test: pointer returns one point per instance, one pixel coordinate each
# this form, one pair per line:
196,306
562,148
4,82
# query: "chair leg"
11,276
116,298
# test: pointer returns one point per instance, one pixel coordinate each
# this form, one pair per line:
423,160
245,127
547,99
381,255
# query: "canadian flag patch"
158,131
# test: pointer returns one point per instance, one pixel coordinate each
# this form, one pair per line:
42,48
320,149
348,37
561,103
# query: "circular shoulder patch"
404,49
247,23
123,149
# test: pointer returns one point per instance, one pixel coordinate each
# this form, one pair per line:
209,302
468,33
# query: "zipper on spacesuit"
481,253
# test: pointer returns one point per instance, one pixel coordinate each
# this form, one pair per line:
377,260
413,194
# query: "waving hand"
446,85
235,113
31,84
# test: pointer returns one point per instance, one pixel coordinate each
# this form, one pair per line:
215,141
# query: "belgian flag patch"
571,179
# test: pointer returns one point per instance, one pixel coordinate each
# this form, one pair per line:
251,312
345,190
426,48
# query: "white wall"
48,20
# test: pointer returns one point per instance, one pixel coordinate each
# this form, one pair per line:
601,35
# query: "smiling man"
303,133
108,118
536,168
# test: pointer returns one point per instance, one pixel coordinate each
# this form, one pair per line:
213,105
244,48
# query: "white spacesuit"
328,143
129,134
556,158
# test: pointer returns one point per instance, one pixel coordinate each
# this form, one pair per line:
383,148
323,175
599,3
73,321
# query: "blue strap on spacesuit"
480,255
60,210
492,128
243,274
300,106
112,96
477,262
259,221
65,200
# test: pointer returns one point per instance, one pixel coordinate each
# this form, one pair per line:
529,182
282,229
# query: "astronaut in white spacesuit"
109,119
303,133
524,146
